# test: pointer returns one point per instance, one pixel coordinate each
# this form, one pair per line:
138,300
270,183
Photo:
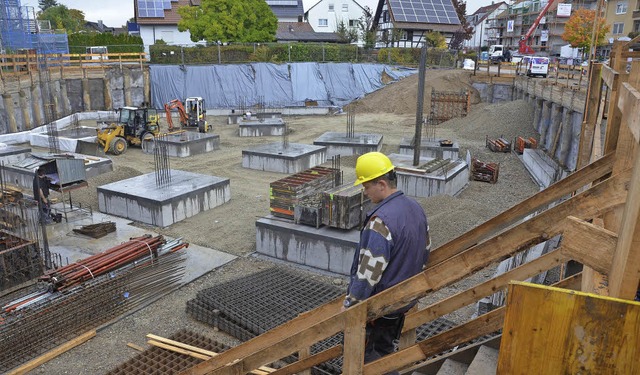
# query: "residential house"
158,20
303,32
478,20
405,23
623,17
326,15
546,38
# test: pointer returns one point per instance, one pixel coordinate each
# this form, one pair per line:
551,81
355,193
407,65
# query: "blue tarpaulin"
285,85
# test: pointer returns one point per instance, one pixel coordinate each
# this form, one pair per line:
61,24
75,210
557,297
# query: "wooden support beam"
629,103
482,325
560,189
614,115
610,77
52,353
354,339
589,244
591,110
316,359
471,295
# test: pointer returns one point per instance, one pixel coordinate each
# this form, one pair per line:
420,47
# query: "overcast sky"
115,13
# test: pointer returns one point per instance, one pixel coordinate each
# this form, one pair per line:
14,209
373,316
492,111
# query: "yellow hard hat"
372,165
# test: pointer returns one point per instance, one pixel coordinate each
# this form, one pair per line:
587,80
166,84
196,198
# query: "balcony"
636,14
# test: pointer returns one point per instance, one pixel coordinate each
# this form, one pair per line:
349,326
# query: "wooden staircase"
596,210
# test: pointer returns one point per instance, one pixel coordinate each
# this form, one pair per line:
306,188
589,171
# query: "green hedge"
78,42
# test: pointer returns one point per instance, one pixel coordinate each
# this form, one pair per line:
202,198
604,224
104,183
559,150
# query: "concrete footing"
326,249
237,117
274,157
184,144
341,144
449,180
261,128
430,149
141,199
67,139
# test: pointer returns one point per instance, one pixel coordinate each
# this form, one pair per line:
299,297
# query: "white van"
535,66
99,52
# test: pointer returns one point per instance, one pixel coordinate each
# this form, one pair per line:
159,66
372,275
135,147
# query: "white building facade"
325,15
479,20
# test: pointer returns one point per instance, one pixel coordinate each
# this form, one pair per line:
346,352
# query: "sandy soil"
231,227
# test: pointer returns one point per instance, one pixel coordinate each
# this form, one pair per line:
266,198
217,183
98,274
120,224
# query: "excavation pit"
237,117
260,128
430,149
448,177
341,144
67,138
184,144
274,157
324,248
141,199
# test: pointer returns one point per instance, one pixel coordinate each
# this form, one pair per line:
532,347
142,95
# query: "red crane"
524,47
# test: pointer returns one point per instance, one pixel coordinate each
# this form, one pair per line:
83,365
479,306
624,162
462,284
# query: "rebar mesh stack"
252,305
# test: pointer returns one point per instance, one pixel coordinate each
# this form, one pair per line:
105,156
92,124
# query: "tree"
46,4
435,39
365,25
346,33
466,30
242,21
579,29
62,17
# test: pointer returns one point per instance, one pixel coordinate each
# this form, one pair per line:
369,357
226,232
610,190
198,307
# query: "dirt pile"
400,97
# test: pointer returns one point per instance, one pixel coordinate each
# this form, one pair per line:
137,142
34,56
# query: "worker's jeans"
382,337
45,212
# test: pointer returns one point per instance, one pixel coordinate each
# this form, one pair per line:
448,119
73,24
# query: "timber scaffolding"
598,225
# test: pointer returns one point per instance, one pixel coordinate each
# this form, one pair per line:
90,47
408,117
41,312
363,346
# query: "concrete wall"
494,92
27,103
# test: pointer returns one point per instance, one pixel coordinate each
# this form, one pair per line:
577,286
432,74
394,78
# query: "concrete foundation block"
141,199
325,248
184,144
261,129
430,149
339,144
543,169
449,181
274,157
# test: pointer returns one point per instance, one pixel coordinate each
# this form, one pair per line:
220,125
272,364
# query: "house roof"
303,32
418,15
99,27
286,8
488,8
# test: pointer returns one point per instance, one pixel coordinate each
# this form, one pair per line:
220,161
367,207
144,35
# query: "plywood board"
557,331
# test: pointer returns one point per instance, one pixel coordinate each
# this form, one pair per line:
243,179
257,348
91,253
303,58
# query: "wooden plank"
507,218
178,350
568,332
579,239
629,103
354,338
482,325
316,359
610,77
590,120
52,353
136,347
471,295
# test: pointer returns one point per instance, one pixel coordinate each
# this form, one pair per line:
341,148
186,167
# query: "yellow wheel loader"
134,125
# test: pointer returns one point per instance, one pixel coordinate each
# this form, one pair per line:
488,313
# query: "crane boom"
524,46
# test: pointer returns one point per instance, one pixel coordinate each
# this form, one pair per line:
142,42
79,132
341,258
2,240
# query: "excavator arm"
175,104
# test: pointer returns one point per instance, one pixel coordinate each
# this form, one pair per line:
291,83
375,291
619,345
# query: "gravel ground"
231,227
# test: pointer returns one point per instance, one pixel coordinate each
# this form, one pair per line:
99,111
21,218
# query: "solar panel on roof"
151,8
282,2
426,11
166,4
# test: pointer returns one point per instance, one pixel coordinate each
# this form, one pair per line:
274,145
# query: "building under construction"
21,31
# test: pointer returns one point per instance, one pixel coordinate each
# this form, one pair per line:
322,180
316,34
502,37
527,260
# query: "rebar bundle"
137,250
161,164
335,165
44,319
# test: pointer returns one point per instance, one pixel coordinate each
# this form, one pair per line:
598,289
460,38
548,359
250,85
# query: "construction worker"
41,195
394,246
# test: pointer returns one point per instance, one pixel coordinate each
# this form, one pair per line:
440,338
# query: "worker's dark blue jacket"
394,245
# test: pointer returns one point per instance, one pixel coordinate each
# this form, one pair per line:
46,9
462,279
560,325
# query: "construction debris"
521,144
487,172
97,230
498,145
